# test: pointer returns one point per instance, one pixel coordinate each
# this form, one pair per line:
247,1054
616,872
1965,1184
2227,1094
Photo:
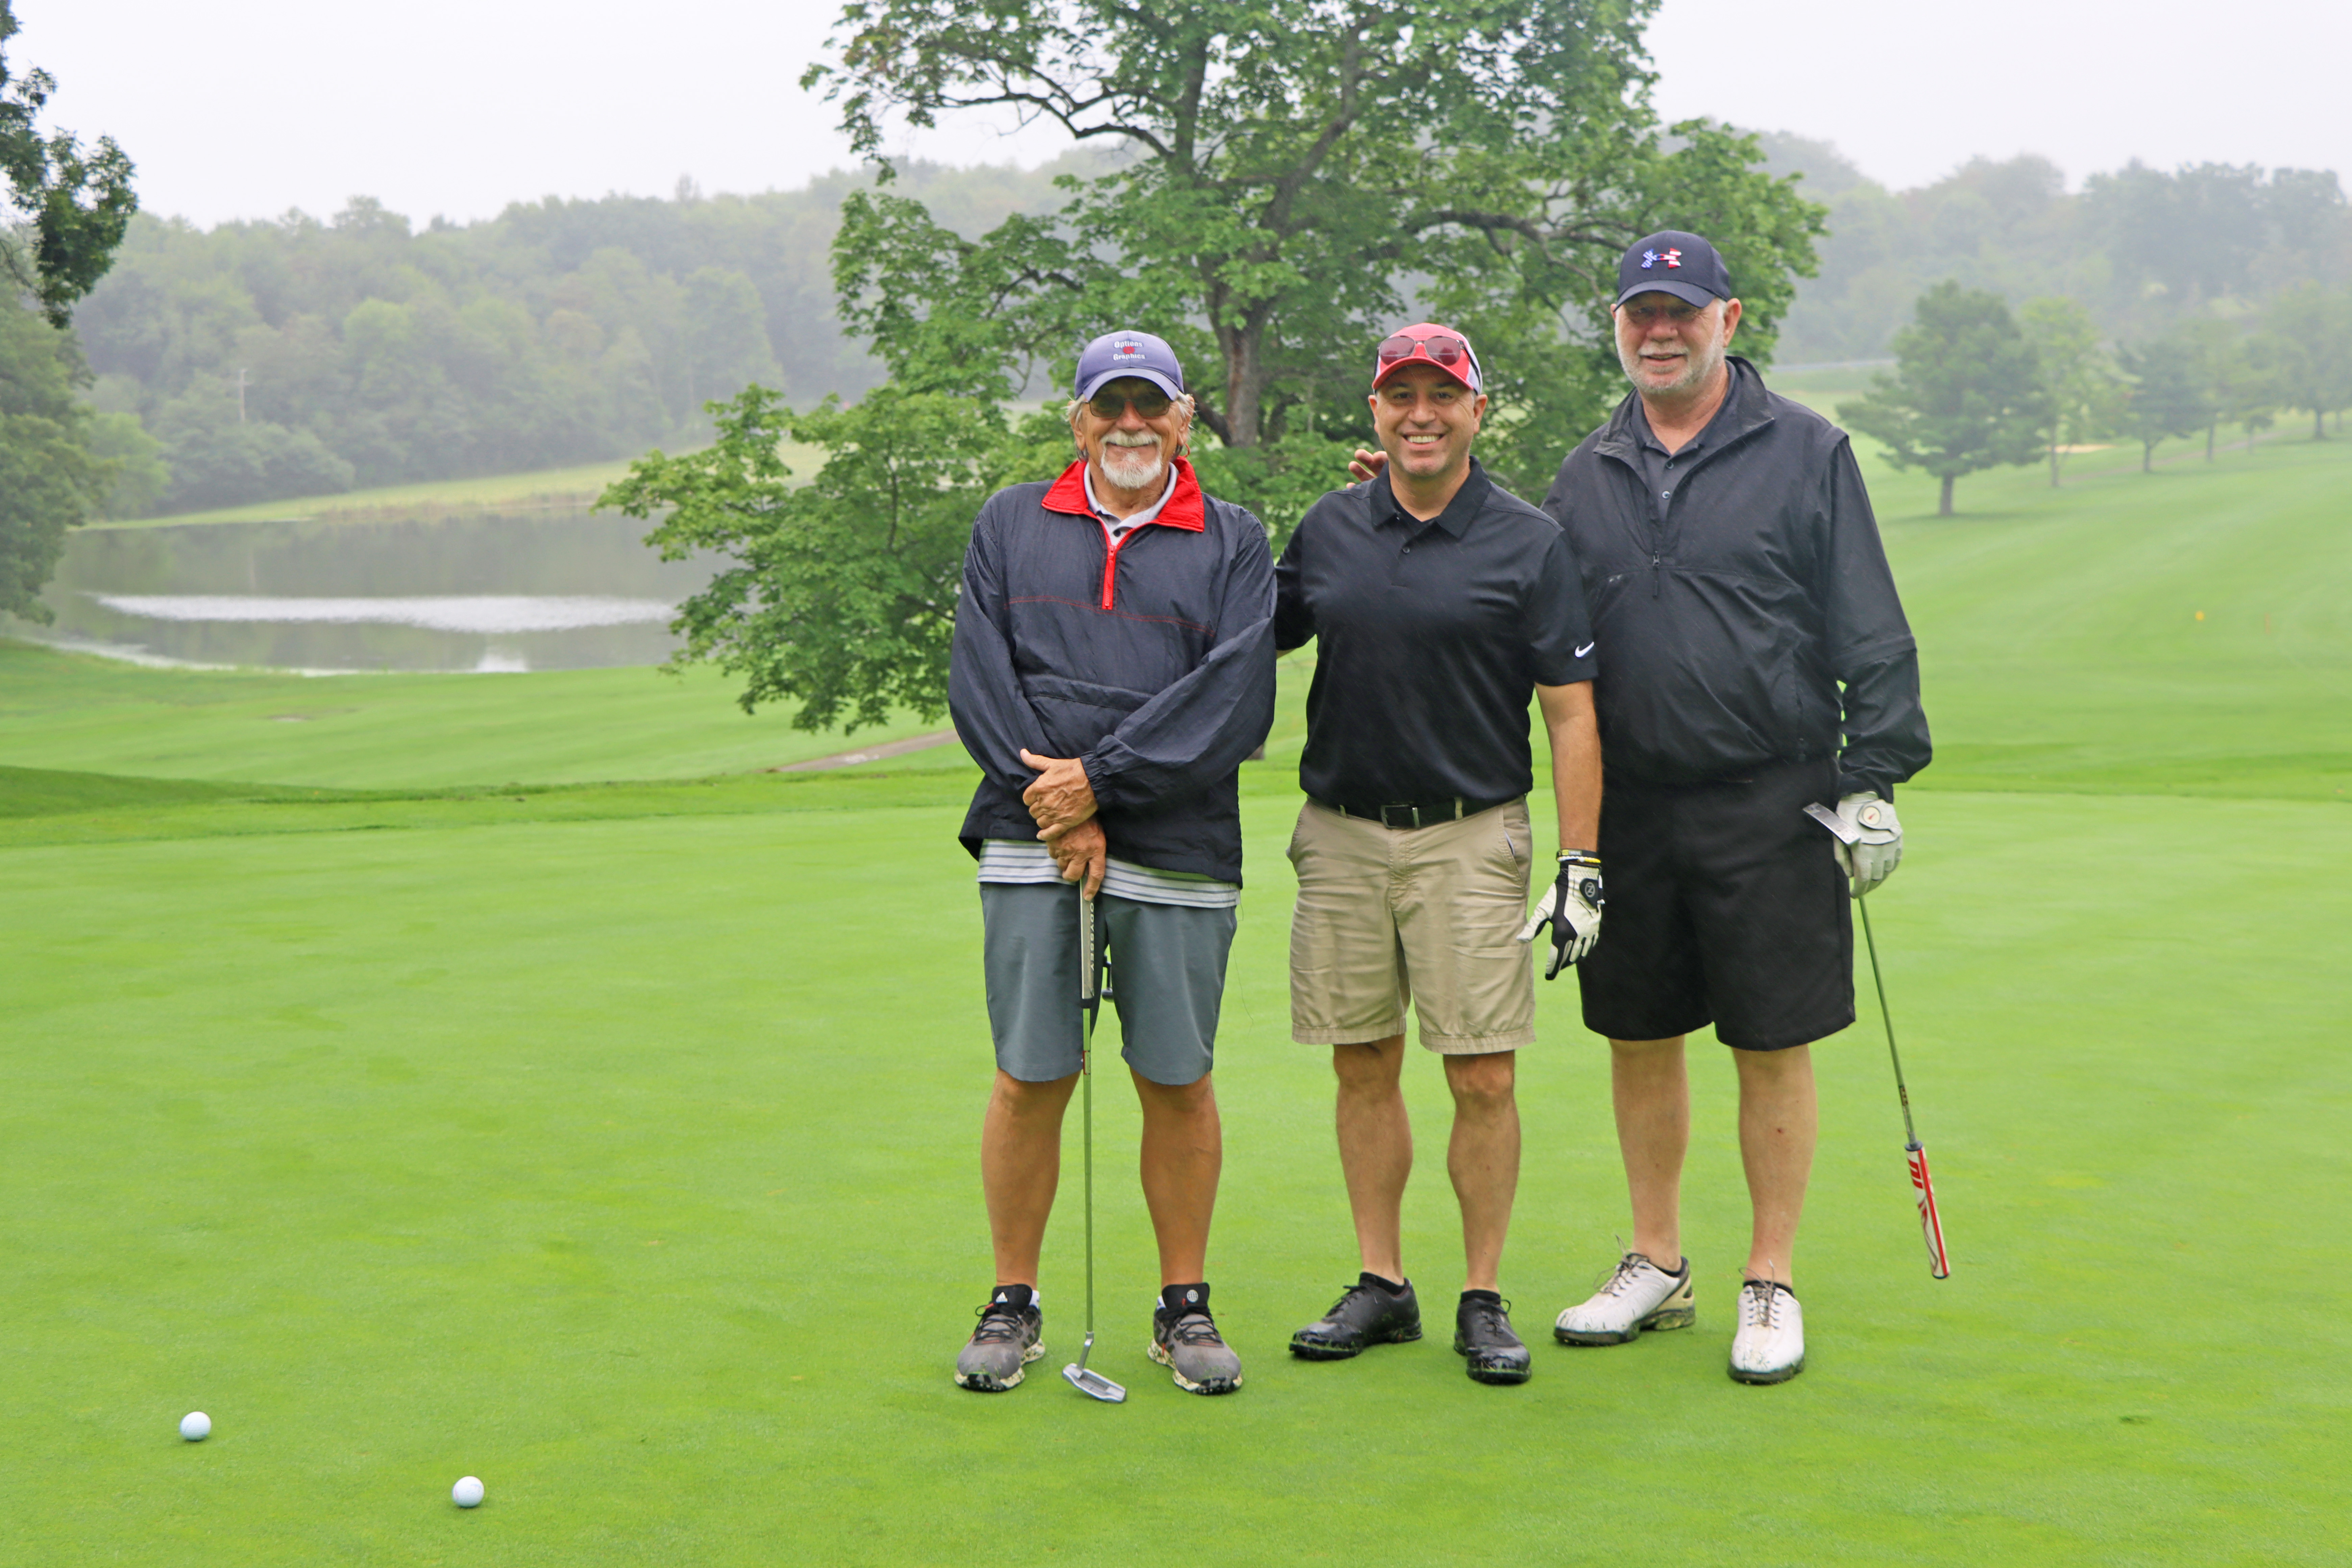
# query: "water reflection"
544,591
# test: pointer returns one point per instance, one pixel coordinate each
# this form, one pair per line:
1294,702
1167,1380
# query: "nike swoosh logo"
1580,653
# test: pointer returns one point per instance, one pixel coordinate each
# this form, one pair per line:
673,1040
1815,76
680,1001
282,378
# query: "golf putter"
1093,1385
1931,1224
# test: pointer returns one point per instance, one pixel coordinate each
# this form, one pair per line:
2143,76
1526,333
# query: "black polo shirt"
1431,639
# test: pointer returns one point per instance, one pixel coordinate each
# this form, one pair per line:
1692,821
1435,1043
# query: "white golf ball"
196,1425
467,1492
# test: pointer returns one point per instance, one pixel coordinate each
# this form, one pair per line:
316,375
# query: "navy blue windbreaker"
1152,662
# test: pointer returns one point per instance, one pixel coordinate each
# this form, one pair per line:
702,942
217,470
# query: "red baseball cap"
1430,343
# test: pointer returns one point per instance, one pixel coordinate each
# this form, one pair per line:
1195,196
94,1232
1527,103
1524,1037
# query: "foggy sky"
246,108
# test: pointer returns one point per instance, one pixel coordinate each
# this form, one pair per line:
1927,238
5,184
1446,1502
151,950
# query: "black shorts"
1725,907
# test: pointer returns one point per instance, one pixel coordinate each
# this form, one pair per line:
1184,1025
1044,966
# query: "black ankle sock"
1017,1297
1194,1298
1390,1287
1492,1297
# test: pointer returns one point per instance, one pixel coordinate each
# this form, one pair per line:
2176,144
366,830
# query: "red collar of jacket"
1184,509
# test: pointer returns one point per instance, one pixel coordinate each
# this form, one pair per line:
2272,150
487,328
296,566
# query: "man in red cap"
1440,605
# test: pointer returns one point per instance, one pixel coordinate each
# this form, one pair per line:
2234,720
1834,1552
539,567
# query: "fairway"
616,1144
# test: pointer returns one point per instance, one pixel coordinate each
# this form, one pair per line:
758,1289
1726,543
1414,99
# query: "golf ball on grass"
196,1425
467,1492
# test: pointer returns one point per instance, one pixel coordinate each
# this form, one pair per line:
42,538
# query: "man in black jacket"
1113,665
1747,621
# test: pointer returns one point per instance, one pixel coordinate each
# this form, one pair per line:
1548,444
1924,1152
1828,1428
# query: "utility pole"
241,394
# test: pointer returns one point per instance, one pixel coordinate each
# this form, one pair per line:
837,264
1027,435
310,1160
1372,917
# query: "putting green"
627,1164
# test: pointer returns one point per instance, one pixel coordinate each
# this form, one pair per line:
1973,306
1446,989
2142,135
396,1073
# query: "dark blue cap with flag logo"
1676,263
1115,355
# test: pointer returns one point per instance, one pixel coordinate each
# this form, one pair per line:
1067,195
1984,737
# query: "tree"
1286,181
843,592
48,479
76,203
2082,393
2307,341
2167,397
1965,394
2226,377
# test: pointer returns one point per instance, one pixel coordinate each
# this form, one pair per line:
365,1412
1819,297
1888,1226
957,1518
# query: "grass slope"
628,1165
379,731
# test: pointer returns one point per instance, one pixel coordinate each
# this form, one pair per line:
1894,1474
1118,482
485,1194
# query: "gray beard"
1132,468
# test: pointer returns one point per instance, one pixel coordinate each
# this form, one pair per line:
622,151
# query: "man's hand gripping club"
1062,803
1572,907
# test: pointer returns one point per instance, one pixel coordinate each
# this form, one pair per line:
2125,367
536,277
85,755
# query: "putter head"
1094,1386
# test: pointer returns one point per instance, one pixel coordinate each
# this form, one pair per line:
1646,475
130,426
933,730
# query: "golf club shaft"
1086,1115
1910,1137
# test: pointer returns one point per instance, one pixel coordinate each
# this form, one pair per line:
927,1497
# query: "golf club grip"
1086,938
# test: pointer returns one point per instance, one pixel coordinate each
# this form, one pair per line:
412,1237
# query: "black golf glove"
1572,907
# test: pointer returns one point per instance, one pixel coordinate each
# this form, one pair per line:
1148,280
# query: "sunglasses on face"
1113,406
1441,349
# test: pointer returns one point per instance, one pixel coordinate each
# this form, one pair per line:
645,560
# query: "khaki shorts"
1425,915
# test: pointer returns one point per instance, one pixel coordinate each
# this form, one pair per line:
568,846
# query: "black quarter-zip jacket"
1751,618
1151,661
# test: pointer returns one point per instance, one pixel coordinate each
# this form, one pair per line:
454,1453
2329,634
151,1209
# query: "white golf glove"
1572,907
1875,848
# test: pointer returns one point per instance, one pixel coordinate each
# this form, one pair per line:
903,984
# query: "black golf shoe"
1185,1340
1010,1336
1482,1333
1371,1311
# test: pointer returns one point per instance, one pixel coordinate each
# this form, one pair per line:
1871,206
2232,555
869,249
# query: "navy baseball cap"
1115,355
1676,263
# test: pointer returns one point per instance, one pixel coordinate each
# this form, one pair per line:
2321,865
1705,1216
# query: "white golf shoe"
1771,1344
1640,1295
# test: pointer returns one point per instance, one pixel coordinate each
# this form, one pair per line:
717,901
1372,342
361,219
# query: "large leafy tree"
75,201
842,591
1286,180
1965,394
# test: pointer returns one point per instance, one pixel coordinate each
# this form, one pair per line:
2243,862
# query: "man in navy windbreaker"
1113,667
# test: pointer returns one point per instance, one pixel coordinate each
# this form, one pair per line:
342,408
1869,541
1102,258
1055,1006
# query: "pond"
538,591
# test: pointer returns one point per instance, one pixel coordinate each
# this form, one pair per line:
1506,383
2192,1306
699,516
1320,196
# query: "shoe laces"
1495,1314
1759,1305
1195,1327
1621,1278
998,1320
1349,1294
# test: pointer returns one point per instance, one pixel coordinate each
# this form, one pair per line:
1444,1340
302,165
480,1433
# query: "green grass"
613,1141
627,1164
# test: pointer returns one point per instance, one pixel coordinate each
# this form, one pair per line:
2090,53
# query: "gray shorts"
1167,977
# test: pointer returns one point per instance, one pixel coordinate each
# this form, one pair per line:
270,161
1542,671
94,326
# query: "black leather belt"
1415,813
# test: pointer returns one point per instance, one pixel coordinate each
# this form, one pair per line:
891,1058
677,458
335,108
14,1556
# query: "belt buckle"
1413,810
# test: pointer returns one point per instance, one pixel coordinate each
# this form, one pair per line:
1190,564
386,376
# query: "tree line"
299,356
1976,385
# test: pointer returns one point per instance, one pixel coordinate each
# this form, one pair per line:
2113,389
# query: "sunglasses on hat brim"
1444,349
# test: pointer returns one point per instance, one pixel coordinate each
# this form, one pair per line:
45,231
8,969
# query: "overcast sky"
246,108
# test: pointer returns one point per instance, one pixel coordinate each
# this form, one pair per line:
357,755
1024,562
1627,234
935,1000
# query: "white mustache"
1130,438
